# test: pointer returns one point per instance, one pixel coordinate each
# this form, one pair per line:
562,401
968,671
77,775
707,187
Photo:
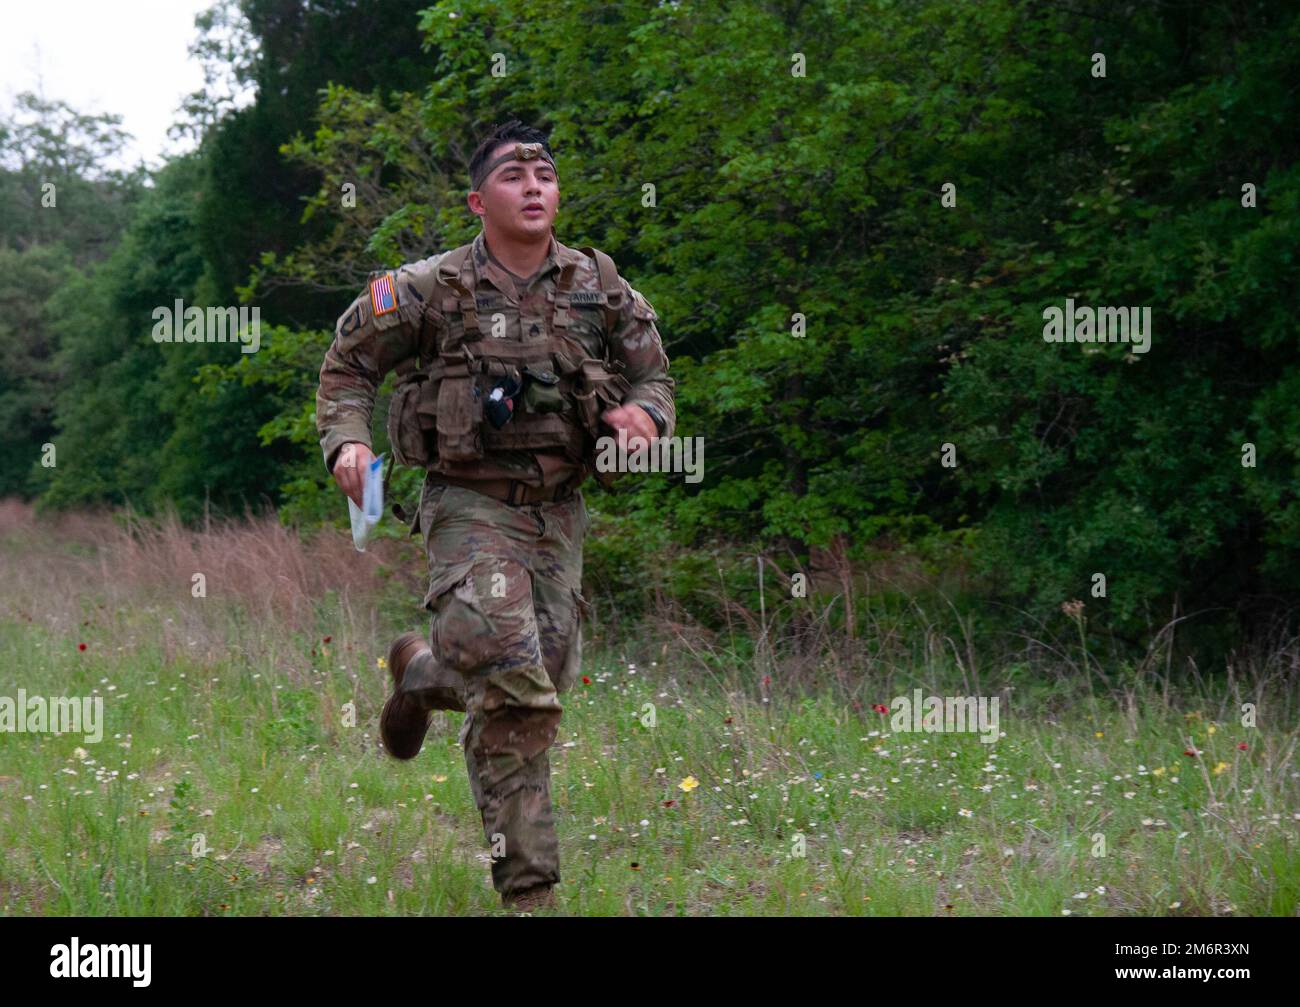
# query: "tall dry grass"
867,632
124,576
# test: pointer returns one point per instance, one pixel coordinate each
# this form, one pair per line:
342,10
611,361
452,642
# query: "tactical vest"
436,420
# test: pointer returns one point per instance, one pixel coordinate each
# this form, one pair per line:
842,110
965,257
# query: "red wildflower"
669,803
81,646
880,708
767,680
586,680
327,639
1242,746
1191,753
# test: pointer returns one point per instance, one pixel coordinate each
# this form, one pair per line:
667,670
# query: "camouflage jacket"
366,347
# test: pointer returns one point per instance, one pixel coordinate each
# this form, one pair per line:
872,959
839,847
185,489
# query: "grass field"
227,719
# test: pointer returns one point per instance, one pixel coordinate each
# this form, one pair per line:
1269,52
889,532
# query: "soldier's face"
520,198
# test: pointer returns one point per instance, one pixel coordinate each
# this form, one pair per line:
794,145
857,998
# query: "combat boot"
530,899
419,688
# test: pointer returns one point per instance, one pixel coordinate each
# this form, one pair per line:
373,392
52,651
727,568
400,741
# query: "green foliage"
1092,459
54,186
62,211
779,199
132,426
251,201
295,724
28,380
180,813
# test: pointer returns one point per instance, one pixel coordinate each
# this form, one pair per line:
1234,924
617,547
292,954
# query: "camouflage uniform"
504,579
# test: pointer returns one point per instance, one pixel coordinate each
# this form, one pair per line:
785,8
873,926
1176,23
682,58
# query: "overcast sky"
126,57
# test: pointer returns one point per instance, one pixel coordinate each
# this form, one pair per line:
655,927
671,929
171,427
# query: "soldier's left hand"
635,420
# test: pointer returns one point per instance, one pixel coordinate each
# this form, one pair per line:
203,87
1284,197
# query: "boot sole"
397,727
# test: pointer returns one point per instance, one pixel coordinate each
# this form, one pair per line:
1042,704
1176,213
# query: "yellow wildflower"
689,784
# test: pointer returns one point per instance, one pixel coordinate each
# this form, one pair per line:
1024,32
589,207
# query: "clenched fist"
636,421
350,468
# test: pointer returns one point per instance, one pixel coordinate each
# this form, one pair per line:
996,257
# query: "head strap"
522,152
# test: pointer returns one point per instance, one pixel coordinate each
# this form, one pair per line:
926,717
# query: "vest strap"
560,306
609,283
456,272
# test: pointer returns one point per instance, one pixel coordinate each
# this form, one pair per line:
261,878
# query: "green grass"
299,812
227,722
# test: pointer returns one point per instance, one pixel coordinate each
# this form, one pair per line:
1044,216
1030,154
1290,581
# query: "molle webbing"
457,272
589,385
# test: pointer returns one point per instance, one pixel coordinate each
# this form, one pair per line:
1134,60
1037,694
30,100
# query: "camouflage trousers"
505,596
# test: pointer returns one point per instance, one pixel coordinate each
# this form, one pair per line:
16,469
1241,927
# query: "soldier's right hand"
350,469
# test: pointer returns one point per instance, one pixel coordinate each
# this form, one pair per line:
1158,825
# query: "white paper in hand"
365,518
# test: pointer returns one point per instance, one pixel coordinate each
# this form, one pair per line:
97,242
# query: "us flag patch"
383,296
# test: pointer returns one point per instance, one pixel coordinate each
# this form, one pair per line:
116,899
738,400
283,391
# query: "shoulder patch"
641,308
383,294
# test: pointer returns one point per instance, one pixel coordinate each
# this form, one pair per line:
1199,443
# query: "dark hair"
513,131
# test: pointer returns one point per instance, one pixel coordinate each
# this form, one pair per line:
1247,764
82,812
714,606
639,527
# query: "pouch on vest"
410,428
597,389
460,413
542,390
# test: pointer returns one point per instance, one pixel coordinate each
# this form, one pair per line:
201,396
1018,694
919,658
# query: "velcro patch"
588,297
383,294
641,308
